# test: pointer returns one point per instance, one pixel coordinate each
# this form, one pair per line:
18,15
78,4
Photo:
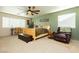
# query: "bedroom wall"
38,22
3,32
6,31
54,22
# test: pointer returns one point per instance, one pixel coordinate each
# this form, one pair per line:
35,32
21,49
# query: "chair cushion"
61,35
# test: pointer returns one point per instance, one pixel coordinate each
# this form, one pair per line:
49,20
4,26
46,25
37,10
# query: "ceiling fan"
31,10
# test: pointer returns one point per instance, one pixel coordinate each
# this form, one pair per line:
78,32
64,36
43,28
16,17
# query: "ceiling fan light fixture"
29,13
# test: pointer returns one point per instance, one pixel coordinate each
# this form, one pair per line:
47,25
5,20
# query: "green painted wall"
54,22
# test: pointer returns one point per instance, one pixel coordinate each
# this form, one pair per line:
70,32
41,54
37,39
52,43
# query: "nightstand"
50,35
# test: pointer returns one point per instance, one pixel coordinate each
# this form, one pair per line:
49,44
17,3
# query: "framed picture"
44,20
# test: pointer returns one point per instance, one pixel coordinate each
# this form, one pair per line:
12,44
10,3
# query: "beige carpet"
43,45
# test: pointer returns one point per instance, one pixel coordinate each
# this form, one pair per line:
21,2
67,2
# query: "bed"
36,32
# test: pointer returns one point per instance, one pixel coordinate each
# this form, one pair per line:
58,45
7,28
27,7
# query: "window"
12,22
67,20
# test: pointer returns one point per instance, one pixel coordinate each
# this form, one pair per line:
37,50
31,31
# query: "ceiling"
22,10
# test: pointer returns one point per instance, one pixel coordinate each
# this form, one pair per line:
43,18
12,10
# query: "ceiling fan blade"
36,13
36,10
29,7
32,13
33,7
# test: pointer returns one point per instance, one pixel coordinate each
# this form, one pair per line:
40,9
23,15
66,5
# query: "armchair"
62,34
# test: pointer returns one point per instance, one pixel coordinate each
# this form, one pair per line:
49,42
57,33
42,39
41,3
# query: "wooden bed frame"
31,31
